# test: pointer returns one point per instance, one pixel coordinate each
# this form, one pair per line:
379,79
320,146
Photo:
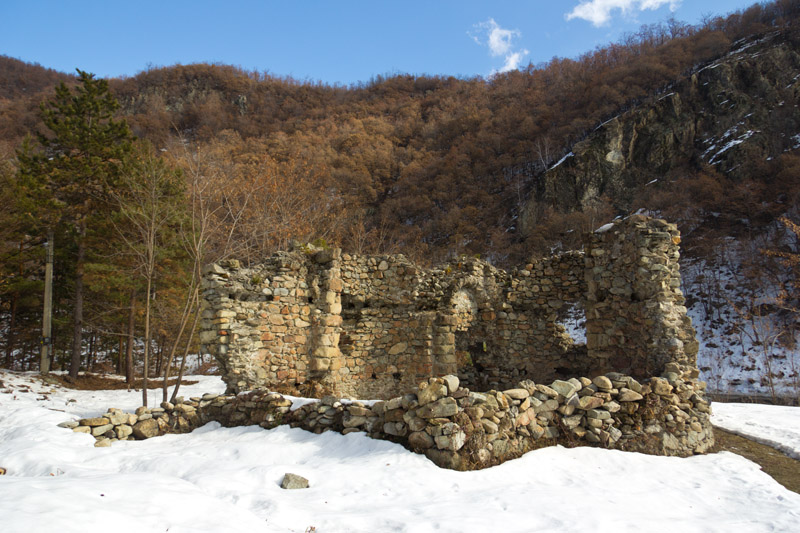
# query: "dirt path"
87,381
782,468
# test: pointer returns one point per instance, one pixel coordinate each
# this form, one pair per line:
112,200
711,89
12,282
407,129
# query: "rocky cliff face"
740,108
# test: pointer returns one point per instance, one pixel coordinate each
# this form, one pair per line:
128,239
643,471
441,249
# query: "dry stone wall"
457,428
375,326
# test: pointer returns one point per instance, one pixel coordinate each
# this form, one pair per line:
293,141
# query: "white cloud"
599,12
500,42
513,60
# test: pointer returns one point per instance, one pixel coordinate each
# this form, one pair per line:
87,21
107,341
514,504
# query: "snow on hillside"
218,479
743,337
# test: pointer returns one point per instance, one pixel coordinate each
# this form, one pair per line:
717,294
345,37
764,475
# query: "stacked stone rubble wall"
457,428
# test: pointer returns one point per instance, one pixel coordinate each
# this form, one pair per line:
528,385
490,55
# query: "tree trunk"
186,353
53,358
77,332
120,358
129,349
13,322
184,319
11,333
159,353
90,355
47,319
146,355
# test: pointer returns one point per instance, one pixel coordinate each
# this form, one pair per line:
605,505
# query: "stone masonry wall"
635,316
375,326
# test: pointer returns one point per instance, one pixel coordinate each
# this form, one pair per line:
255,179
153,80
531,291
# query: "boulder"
603,382
144,429
293,481
627,395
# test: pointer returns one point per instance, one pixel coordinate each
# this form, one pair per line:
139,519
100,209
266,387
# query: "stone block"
564,388
452,383
145,429
627,395
444,407
547,391
517,394
94,422
603,383
598,414
420,440
431,393
452,438
398,348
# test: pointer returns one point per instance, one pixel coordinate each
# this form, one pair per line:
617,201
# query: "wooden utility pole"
47,337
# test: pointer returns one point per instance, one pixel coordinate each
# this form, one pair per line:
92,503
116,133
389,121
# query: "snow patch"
604,228
730,144
574,322
562,160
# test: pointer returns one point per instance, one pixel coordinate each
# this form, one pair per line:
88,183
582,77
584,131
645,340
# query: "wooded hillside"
430,166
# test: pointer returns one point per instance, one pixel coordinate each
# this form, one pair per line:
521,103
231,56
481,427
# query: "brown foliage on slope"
440,164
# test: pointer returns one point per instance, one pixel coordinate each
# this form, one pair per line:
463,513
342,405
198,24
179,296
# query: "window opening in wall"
468,348
573,318
465,309
351,307
470,352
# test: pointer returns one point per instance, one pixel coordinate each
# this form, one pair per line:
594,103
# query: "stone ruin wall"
377,326
380,327
636,317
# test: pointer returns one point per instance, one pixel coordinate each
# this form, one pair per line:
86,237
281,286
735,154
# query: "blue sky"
336,42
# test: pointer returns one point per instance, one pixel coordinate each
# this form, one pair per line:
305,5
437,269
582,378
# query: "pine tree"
70,176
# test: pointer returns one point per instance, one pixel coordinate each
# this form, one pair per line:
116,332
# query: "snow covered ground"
218,480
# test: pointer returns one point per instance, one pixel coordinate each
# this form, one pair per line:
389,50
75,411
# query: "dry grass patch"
781,467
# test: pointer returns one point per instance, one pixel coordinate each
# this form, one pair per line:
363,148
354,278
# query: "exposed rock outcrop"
736,109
